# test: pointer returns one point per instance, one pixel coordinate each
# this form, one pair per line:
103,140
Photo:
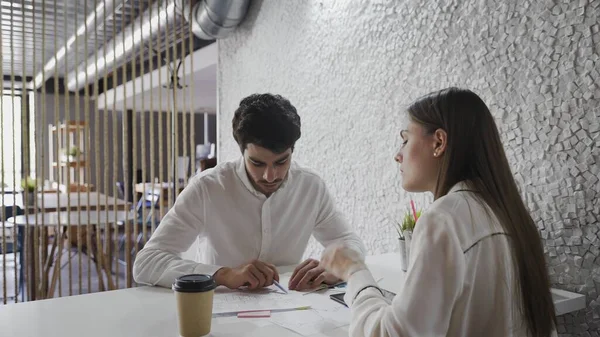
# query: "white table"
51,202
72,218
137,312
150,311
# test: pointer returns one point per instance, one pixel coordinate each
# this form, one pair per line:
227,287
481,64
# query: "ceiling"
33,30
198,94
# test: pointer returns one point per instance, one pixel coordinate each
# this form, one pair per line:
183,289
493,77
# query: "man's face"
266,169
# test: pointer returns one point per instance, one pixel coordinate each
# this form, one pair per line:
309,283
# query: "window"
10,138
11,142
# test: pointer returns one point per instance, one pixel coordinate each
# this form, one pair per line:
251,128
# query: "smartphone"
339,297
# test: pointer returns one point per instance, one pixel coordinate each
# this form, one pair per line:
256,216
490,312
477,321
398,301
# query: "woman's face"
419,158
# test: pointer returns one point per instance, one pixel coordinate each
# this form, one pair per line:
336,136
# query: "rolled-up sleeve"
433,284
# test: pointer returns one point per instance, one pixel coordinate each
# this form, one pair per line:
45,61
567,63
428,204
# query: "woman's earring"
435,154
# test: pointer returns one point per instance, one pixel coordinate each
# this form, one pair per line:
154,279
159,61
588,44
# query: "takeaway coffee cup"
194,296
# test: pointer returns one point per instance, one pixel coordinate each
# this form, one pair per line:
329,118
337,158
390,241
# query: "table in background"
52,202
62,220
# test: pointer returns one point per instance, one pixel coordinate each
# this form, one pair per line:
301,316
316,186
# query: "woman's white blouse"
458,282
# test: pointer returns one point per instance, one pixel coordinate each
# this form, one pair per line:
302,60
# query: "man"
251,214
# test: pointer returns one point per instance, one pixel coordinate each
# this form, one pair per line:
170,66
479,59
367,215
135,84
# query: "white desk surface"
150,311
136,312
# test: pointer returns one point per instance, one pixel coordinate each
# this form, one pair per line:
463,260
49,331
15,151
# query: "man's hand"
309,275
342,261
256,274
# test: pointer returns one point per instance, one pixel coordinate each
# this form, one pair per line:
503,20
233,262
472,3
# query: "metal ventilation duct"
146,27
85,30
213,19
210,19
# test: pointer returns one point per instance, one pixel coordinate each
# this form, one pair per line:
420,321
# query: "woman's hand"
342,261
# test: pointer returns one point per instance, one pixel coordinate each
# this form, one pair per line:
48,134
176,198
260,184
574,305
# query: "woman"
477,265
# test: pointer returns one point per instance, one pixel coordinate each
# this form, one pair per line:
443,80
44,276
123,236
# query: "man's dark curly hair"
266,120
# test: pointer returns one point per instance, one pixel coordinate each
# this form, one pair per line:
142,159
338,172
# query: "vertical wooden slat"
192,109
38,173
169,115
3,205
114,130
152,137
143,147
107,235
190,81
184,113
86,111
86,152
56,275
134,159
25,251
103,262
2,140
161,128
24,144
42,231
106,157
126,160
68,168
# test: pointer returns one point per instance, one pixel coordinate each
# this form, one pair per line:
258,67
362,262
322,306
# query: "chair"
151,199
120,190
13,245
149,202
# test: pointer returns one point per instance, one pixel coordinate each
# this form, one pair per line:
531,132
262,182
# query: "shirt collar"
461,186
243,175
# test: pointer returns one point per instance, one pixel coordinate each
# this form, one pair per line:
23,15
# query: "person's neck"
256,186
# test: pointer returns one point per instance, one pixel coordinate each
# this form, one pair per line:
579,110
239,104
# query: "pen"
279,286
263,312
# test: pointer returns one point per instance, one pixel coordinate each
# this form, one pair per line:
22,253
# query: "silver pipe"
82,32
213,19
210,19
144,28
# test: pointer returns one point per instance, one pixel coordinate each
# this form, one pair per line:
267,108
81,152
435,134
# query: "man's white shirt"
235,224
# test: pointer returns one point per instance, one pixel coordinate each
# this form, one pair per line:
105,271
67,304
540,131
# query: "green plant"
74,151
407,224
29,184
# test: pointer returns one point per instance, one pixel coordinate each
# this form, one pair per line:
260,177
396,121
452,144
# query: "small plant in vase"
405,230
73,154
29,186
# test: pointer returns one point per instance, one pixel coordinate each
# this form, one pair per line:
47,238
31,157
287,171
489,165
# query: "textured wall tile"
350,67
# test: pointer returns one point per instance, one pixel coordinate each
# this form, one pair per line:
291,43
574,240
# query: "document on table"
233,301
324,315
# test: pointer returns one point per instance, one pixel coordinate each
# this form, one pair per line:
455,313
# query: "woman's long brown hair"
474,154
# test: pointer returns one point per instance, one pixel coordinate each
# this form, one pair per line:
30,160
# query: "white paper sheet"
310,322
233,301
325,315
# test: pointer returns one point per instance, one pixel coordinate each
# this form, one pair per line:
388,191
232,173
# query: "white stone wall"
350,67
